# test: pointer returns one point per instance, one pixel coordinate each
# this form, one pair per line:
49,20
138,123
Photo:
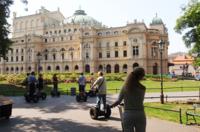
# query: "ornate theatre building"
48,42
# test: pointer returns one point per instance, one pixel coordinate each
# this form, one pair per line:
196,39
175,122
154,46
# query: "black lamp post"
71,49
39,57
161,48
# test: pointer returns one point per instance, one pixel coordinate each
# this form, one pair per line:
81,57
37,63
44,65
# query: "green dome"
80,17
156,20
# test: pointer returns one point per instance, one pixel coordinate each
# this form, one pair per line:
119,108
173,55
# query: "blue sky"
116,13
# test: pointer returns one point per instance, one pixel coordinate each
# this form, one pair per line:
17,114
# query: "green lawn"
168,115
113,87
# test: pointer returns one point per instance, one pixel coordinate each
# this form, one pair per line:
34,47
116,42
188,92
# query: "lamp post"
71,49
39,57
161,48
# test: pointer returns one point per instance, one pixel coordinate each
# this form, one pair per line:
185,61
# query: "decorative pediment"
134,30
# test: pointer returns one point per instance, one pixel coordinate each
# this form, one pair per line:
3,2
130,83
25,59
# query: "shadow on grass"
20,124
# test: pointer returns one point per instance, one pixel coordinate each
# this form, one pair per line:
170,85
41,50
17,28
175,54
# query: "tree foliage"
5,42
189,23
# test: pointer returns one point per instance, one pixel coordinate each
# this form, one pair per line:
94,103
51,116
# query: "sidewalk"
66,115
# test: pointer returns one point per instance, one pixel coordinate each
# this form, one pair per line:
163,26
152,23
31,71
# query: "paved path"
66,115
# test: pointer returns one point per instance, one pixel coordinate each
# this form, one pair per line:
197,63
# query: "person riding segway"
40,85
30,95
101,108
55,91
82,95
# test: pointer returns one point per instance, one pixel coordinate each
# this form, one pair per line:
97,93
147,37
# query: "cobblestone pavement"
66,115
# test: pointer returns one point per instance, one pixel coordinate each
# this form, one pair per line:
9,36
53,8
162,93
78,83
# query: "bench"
192,114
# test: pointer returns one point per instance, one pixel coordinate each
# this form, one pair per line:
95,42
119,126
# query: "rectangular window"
63,56
135,50
125,53
87,55
124,43
116,44
116,54
22,50
100,55
62,39
45,40
11,59
16,50
70,38
108,54
46,57
22,58
54,56
53,39
16,58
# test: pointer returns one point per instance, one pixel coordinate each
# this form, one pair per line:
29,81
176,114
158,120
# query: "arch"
125,68
7,68
116,68
53,50
16,68
135,65
49,68
40,68
66,68
76,67
100,68
155,68
87,68
46,51
108,68
57,68
62,49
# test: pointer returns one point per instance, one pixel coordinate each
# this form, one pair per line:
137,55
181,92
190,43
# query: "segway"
42,95
96,112
92,93
81,97
30,98
55,93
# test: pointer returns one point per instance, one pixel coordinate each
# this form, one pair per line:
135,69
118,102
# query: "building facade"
48,42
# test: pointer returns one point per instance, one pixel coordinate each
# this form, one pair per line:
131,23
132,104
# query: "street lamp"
39,57
71,49
161,48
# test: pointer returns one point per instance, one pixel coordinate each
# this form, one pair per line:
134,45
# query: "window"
69,30
99,34
22,41
87,55
63,56
124,43
62,39
45,40
16,50
125,53
55,32
116,32
11,59
22,58
108,54
16,58
116,54
54,56
46,32
135,50
75,29
65,30
100,55
86,34
59,31
70,38
53,39
22,50
116,44
46,57
107,33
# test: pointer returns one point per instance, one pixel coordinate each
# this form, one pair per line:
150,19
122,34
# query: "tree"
189,23
5,42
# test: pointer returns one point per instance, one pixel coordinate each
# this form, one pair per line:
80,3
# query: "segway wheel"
35,99
78,98
108,111
27,98
44,96
85,98
94,113
58,94
52,94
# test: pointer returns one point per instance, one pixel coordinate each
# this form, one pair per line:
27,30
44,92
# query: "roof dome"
156,20
80,17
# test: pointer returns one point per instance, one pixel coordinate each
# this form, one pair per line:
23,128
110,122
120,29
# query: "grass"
112,87
168,115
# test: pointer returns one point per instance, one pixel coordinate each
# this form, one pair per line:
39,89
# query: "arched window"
66,68
135,65
49,68
116,68
29,68
155,68
100,68
57,68
108,68
17,69
76,67
22,68
7,69
87,68
125,67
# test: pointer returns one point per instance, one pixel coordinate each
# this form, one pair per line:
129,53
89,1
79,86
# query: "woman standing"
133,92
